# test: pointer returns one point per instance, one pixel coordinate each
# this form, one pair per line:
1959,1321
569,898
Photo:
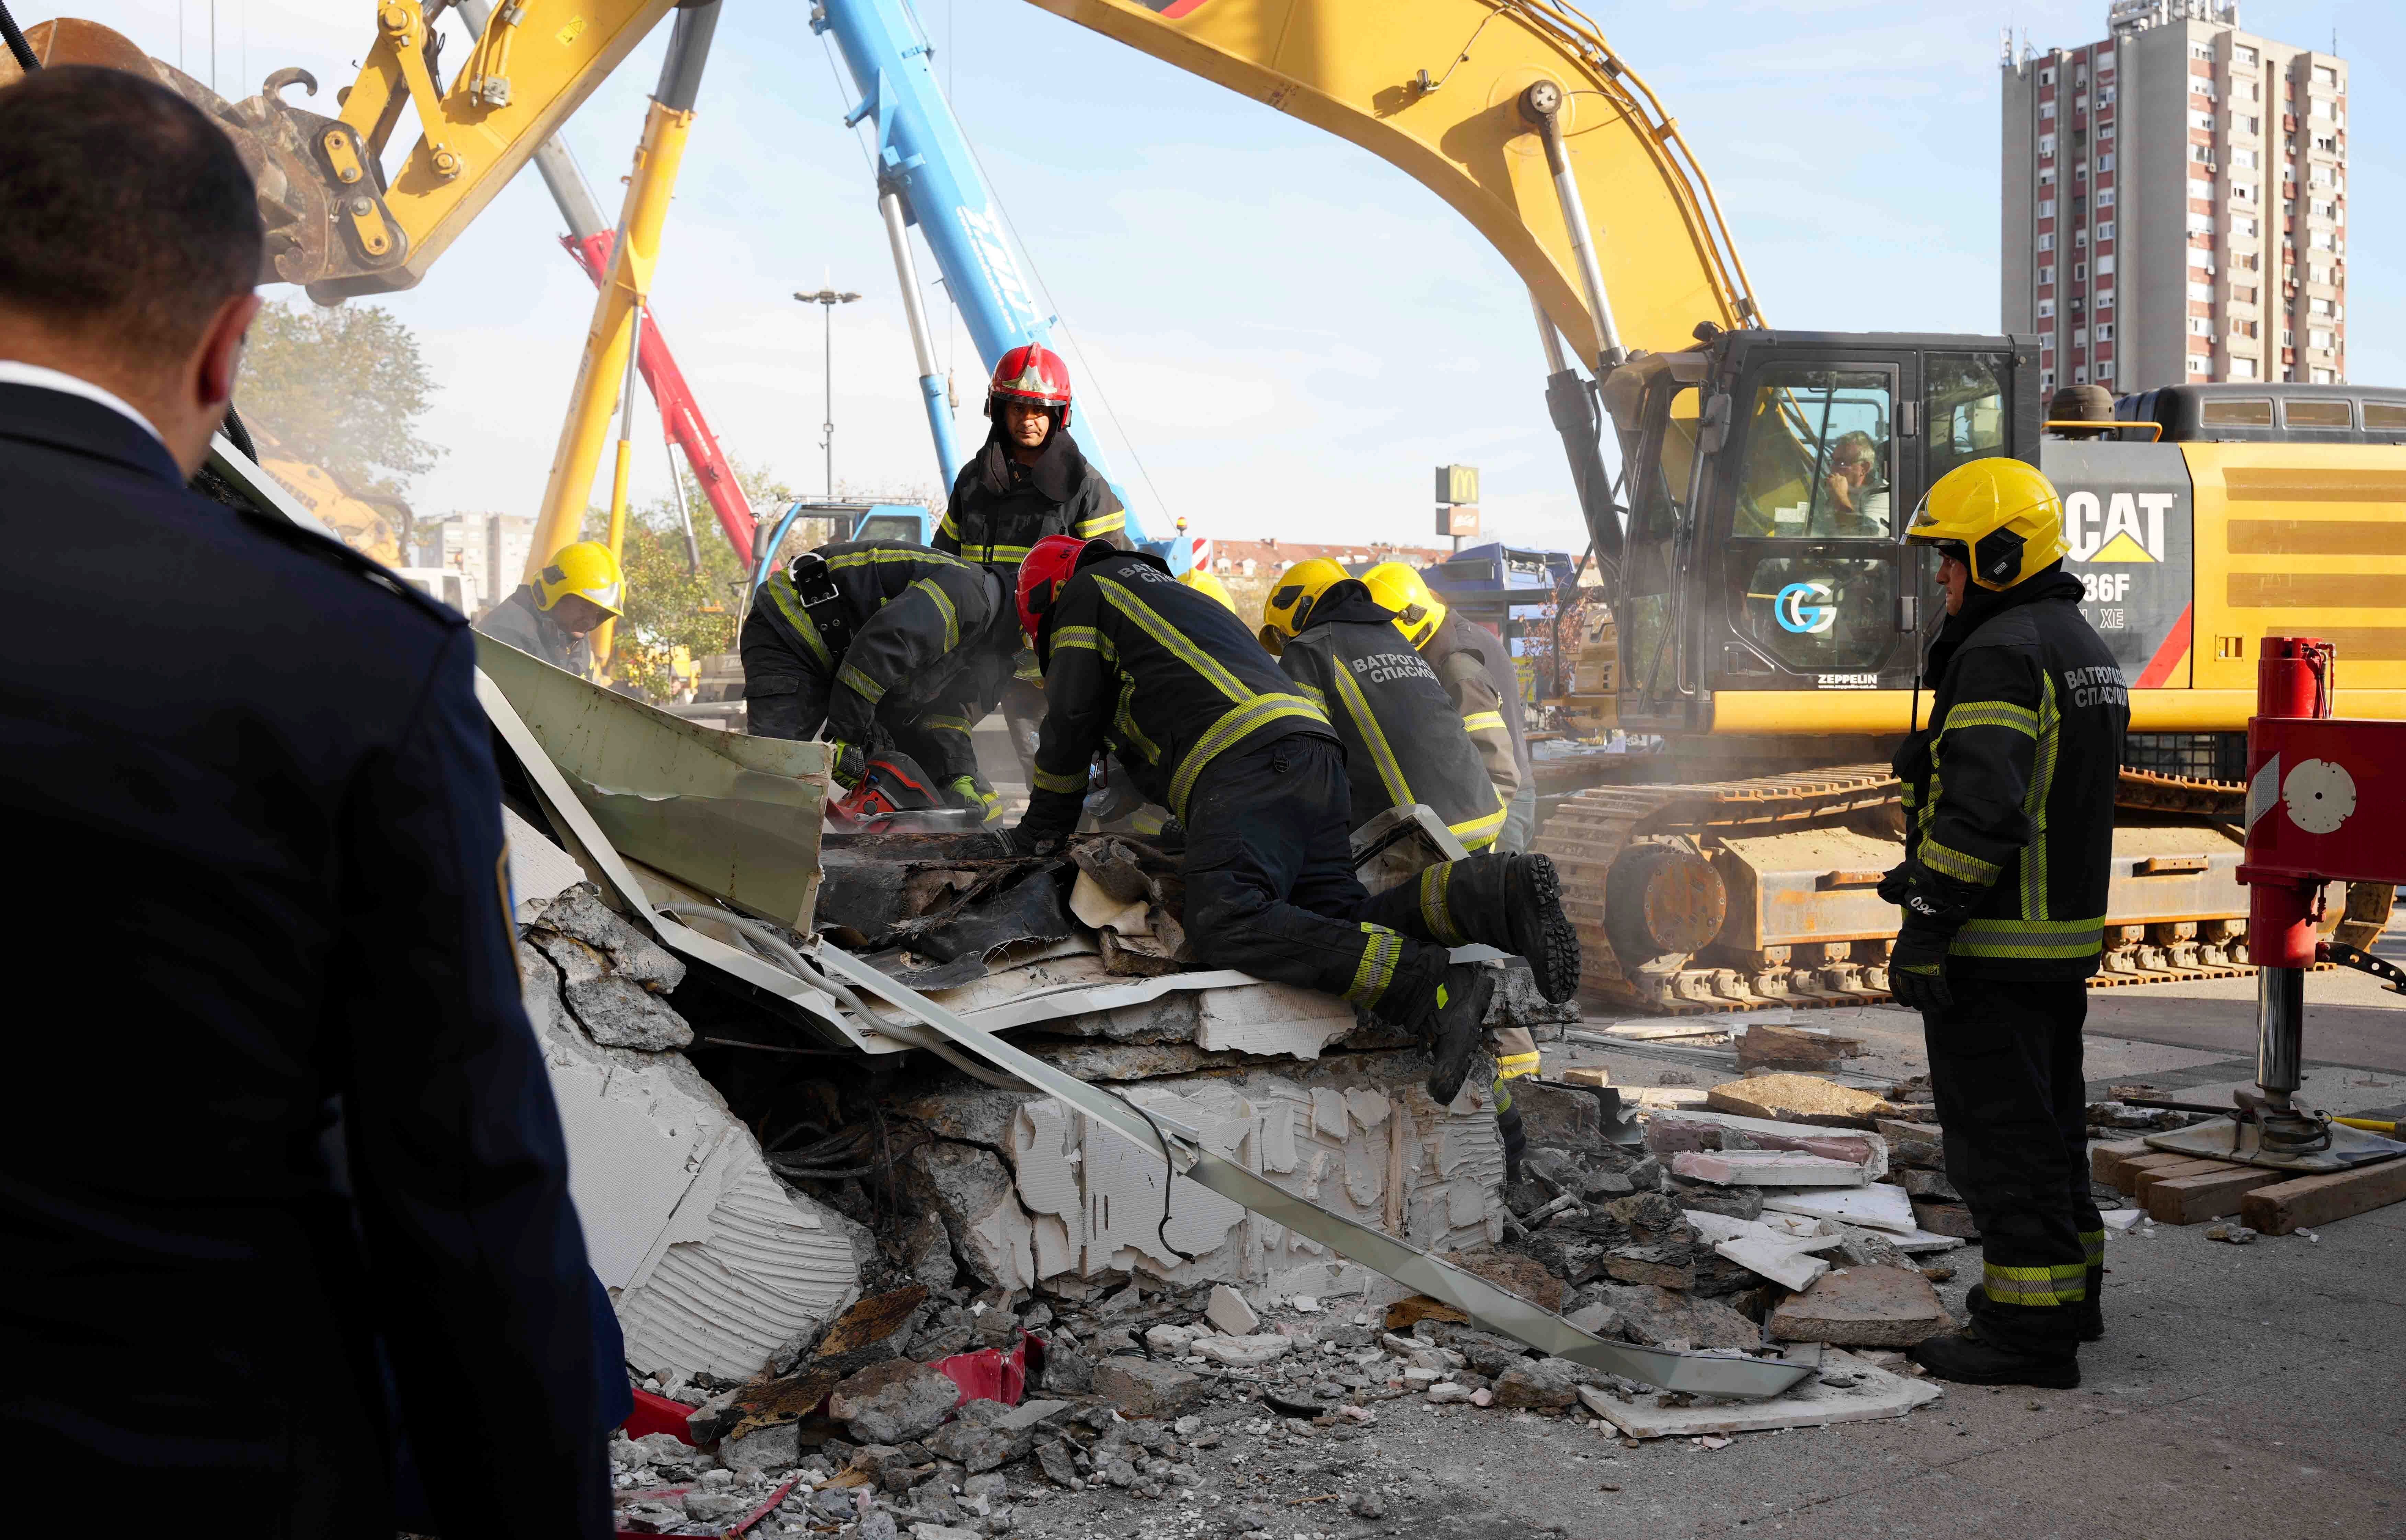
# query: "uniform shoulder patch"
335,554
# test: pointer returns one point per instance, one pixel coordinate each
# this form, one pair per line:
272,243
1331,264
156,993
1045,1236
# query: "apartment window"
2201,326
2203,155
2321,108
2105,374
2045,308
2046,175
2080,239
2046,77
2046,379
2201,119
2046,274
2198,365
2105,271
2242,56
2105,331
2079,272
2326,143
2243,158
2249,125
2320,241
2320,176
2243,225
2323,208
2080,375
2046,208
2243,369
2080,175
2080,336
2318,337
2243,329
2318,307
2046,241
2202,293
2325,377
2243,296
2244,192
2288,338
2105,162
2327,77
2200,192
2201,224
2201,50
2047,144
2046,109
2105,136
2105,231
2104,197
2317,274
2104,96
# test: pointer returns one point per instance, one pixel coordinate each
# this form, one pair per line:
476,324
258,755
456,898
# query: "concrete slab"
1849,1389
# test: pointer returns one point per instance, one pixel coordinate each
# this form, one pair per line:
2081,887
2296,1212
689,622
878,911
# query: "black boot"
1975,1357
1454,1024
1510,1128
2089,1312
1513,903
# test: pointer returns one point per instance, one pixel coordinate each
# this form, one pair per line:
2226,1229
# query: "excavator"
1769,626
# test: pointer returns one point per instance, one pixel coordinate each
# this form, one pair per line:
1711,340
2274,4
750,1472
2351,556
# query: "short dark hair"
125,214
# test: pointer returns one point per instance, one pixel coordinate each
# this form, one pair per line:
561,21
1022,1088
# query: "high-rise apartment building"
2175,203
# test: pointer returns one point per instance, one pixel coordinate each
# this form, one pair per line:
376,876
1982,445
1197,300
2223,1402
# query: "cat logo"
2126,527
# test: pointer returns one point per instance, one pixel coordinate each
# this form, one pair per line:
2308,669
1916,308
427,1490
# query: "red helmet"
1031,374
1049,564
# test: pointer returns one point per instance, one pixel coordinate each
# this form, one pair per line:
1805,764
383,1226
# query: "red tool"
895,797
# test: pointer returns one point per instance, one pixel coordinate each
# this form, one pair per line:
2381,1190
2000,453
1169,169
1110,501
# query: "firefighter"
2009,804
1405,744
1028,481
1476,669
580,588
879,639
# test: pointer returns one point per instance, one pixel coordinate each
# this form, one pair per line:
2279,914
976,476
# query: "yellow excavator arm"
1441,89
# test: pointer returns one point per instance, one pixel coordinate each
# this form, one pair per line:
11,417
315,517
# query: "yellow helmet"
587,569
1195,577
1399,587
2005,515
1288,608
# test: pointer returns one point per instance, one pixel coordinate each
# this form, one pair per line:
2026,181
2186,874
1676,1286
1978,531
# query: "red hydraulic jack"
2326,803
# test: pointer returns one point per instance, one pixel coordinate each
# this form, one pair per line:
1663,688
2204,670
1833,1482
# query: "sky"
1275,333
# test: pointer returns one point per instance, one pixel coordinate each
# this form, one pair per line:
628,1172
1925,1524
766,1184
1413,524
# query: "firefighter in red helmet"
1026,482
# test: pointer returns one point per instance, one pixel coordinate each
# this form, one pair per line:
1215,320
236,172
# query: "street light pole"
826,300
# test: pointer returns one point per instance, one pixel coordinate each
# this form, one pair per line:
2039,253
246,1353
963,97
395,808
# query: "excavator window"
1968,417
1817,463
1659,501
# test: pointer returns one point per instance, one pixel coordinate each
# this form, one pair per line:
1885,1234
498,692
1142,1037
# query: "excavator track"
1595,828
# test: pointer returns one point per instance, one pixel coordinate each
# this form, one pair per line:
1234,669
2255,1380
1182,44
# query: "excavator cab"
1761,588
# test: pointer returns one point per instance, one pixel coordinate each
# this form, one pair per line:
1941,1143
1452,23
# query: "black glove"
1028,841
1935,908
847,763
1896,882
1917,970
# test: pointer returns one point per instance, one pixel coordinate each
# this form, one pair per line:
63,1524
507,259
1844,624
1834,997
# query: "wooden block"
2307,1201
2145,1182
2127,1180
2106,1161
2209,1195
1587,1075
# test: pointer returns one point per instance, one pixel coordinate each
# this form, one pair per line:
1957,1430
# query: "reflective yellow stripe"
1047,781
2030,938
1513,1066
1478,833
1437,904
1170,637
861,684
1382,755
2050,737
949,527
1381,951
1102,525
1992,714
780,590
2056,1283
943,606
997,556
2093,1242
1483,722
1954,864
1123,722
1222,734
946,724
1093,641
1317,696
877,557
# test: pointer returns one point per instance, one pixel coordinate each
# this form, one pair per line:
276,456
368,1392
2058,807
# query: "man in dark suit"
278,1118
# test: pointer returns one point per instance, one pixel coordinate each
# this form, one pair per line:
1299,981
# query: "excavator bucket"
320,193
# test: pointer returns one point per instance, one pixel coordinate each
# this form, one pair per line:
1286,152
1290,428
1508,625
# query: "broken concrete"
1664,1318
1847,1390
1863,1307
1799,1098
1879,1206
893,1402
1229,1313
1140,1387
1767,1169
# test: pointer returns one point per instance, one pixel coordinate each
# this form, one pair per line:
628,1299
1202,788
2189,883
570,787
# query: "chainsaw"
895,797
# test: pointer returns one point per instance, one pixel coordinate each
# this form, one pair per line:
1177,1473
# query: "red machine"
678,409
2326,803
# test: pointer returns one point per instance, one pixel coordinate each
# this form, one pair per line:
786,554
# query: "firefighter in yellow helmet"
1476,669
1404,743
580,588
1197,578
2009,810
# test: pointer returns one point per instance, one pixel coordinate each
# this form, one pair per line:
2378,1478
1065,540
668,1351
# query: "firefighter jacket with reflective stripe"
1403,742
2009,792
999,508
1161,674
1476,669
931,631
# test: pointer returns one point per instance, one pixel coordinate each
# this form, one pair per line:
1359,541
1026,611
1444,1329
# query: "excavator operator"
1476,669
1404,744
2009,805
580,588
1027,482
879,639
1139,663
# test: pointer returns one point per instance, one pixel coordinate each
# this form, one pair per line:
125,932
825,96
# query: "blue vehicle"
906,521
1512,593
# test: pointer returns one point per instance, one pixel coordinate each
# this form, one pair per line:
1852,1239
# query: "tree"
343,388
669,607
